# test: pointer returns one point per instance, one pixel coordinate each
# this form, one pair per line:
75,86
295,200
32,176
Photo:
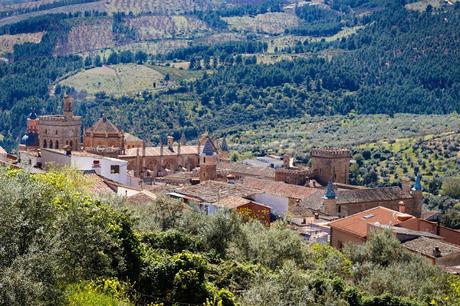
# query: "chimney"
402,207
287,162
436,252
405,183
170,143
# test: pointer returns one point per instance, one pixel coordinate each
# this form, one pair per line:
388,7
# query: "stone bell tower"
208,161
331,163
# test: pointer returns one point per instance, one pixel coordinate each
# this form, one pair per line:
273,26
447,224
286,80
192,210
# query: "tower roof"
418,183
224,145
330,193
104,126
32,115
208,148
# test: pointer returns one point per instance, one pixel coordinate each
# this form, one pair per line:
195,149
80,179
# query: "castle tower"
68,106
331,163
208,161
329,200
31,140
417,193
59,131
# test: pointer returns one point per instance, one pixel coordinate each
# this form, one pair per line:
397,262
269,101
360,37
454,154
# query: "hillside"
87,36
79,246
115,80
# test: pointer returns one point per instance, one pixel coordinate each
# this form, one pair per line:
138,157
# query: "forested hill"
399,61
402,61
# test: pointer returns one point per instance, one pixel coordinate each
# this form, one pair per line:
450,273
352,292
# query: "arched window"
51,144
56,146
44,143
71,144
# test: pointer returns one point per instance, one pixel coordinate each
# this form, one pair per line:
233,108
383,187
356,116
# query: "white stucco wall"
278,204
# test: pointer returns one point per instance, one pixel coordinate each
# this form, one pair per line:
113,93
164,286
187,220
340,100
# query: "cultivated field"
150,47
93,6
158,27
7,42
269,23
87,35
300,135
159,6
284,41
115,80
423,4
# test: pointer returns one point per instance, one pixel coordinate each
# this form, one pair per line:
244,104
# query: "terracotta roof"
104,126
213,191
98,185
156,151
247,170
142,197
279,188
428,214
371,195
131,137
357,223
425,246
232,202
307,206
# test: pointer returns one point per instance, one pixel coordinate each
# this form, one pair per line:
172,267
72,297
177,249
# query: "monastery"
288,191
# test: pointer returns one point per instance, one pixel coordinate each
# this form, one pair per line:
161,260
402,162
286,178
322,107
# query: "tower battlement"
331,152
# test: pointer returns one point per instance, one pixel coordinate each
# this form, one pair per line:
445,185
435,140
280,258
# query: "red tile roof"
279,188
235,202
357,224
156,151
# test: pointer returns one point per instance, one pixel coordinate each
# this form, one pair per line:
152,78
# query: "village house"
355,229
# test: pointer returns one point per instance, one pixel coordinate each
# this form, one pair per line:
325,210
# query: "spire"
418,183
224,145
330,193
208,148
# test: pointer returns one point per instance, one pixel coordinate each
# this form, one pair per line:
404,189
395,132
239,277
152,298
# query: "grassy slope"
300,135
116,80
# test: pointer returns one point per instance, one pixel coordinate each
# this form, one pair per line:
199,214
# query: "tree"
451,187
88,61
113,59
98,61
140,57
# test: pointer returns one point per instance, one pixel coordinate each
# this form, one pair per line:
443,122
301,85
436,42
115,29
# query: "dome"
33,115
30,140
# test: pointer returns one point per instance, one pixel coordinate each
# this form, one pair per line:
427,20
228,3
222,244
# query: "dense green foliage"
64,246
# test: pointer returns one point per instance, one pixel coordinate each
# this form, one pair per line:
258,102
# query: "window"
56,132
56,145
44,143
114,169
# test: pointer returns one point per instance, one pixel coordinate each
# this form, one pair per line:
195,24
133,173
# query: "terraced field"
93,6
269,23
158,27
115,80
423,4
150,47
161,7
87,36
300,135
7,42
